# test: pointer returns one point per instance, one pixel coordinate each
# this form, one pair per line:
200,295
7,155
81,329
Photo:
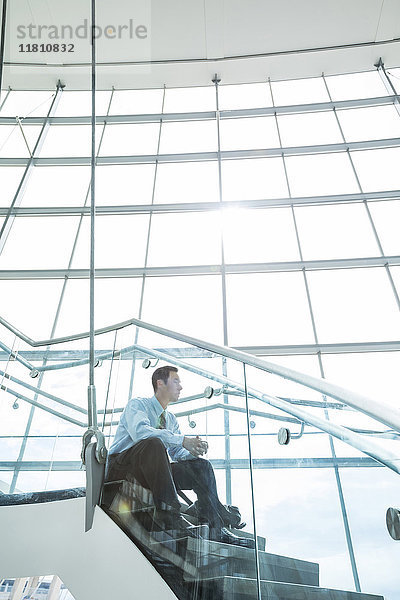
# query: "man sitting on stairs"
147,433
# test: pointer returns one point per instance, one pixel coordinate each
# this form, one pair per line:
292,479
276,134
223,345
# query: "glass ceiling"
268,222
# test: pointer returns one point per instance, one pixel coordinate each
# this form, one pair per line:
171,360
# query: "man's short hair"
163,374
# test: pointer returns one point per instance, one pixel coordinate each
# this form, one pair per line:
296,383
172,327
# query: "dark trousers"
148,462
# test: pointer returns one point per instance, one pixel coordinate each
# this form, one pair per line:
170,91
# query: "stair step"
215,559
241,588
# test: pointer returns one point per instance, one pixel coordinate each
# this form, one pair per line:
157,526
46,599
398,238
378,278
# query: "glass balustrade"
311,476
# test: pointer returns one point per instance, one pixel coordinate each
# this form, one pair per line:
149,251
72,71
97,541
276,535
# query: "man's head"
166,383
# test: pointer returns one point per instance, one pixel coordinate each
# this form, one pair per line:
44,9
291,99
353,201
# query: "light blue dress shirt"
139,421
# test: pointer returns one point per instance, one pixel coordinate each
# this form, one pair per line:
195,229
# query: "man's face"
173,386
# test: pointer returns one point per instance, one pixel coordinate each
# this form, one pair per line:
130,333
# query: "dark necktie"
162,421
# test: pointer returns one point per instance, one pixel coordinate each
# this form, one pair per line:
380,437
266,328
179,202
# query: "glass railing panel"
196,556
45,409
316,498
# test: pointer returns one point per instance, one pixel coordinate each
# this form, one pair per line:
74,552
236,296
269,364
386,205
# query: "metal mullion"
228,474
9,219
147,244
365,203
314,328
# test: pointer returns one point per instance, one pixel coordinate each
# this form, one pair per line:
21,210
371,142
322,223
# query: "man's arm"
191,447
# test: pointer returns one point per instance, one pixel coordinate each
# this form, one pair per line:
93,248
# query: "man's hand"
195,445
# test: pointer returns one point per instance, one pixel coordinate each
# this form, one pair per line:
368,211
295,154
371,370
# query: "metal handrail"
389,459
344,434
381,412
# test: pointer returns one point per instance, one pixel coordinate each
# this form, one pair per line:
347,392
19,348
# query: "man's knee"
204,465
154,444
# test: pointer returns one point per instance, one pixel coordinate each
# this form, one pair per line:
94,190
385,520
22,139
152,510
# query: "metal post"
311,312
92,391
228,472
94,454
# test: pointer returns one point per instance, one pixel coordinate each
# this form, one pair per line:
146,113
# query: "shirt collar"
157,406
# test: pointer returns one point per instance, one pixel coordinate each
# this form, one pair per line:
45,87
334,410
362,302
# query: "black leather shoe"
225,536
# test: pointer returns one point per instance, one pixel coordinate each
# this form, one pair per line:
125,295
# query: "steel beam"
207,156
211,115
130,209
231,269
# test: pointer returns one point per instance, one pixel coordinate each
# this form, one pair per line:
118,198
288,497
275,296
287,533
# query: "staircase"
196,567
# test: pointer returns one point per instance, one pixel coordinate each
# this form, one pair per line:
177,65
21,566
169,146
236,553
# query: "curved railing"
380,412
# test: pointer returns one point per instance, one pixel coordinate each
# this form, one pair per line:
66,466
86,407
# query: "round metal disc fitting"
208,392
393,522
284,436
34,373
146,363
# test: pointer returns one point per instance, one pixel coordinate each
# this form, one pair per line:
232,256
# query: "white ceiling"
190,40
